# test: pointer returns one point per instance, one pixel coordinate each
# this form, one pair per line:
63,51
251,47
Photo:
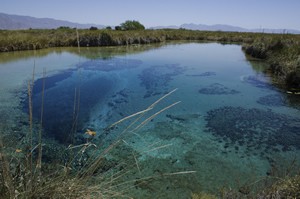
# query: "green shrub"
132,25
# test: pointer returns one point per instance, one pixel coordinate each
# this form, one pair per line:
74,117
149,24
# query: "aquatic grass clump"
257,81
217,89
273,100
156,78
260,131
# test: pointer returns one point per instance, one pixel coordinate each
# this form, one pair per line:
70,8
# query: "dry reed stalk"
150,107
76,105
7,178
130,116
98,161
39,159
159,147
29,160
154,115
163,97
74,117
150,177
137,164
141,114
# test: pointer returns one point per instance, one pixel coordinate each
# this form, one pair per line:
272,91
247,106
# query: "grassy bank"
30,39
281,51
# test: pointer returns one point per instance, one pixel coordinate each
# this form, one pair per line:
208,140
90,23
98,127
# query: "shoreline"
280,51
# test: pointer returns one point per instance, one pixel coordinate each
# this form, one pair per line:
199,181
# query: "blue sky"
243,13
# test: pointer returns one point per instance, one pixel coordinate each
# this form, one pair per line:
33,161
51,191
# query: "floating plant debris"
90,132
254,128
156,78
217,89
272,100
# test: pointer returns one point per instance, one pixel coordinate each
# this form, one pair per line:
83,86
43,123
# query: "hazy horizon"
273,14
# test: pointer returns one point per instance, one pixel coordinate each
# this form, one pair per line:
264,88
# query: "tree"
93,28
108,28
118,28
132,25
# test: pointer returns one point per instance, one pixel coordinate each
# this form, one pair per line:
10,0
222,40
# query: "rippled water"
232,126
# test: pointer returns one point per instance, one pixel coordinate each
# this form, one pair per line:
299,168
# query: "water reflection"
89,53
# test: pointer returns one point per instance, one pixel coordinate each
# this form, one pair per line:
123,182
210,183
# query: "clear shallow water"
231,127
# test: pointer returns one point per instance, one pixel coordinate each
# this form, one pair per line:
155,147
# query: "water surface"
231,127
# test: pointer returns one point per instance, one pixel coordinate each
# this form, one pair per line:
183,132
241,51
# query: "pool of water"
231,127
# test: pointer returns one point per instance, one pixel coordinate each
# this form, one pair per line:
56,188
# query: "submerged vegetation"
281,51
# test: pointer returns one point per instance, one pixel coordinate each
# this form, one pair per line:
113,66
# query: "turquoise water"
231,127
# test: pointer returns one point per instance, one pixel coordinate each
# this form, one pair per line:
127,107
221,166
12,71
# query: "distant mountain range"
17,22
228,28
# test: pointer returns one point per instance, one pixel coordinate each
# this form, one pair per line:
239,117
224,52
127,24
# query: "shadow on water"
82,89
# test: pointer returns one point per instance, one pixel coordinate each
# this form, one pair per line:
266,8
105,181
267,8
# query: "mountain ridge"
227,28
19,22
